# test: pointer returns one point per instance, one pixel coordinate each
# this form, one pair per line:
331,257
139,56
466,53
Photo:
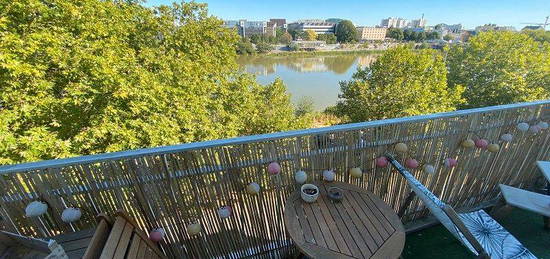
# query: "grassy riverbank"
320,53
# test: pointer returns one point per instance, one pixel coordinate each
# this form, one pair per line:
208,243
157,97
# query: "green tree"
448,37
245,47
263,47
434,35
328,38
395,33
346,32
401,82
500,68
92,76
311,35
538,35
282,36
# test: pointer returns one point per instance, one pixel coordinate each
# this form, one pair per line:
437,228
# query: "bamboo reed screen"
172,187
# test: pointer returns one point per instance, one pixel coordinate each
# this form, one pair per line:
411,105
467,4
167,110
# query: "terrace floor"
437,242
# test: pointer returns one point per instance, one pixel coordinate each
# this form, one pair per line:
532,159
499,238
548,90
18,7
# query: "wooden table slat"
360,226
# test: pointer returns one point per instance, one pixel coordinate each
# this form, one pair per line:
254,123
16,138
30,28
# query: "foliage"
448,37
433,35
245,47
346,32
499,68
538,35
297,34
304,106
263,47
395,33
328,38
93,76
282,36
293,47
401,82
311,35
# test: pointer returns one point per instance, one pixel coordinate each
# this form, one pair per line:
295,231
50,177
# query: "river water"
316,77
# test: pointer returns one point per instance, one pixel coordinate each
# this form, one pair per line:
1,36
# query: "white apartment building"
419,23
246,28
393,22
372,33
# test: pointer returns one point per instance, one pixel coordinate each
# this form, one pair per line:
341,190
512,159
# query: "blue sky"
369,12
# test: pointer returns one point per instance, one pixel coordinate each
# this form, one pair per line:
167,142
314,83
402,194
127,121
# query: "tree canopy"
311,35
328,38
401,82
500,67
346,32
91,76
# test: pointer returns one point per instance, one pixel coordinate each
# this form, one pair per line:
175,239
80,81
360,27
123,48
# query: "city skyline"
469,13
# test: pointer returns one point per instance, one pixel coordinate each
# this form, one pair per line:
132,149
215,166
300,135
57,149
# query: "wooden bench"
120,238
531,201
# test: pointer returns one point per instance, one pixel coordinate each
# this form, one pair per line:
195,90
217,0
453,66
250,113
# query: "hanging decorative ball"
543,125
450,162
157,235
506,137
274,168
535,129
36,208
468,143
328,175
493,148
401,147
194,228
382,161
356,172
523,126
224,212
71,215
481,143
411,163
253,188
430,169
300,177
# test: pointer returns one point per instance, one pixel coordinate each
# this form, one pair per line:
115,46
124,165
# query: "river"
316,77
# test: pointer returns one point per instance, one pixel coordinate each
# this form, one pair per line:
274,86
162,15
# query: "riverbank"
321,53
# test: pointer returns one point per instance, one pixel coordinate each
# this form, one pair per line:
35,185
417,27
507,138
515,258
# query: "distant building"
318,27
446,29
393,22
535,27
334,20
246,28
371,33
420,23
494,27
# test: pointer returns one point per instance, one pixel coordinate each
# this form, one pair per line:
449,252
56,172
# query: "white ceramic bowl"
309,198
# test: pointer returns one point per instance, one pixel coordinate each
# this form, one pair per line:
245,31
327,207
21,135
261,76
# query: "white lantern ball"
224,212
71,215
543,125
253,188
535,129
194,229
506,137
328,175
300,177
430,169
401,147
356,172
523,126
36,208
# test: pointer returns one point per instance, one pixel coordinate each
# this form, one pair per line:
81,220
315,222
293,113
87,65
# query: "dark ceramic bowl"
335,194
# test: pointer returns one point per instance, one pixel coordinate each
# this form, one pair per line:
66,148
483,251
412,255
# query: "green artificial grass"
437,242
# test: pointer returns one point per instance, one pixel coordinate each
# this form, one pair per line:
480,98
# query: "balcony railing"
173,186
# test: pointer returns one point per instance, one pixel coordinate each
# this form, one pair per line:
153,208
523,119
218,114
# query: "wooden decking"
75,243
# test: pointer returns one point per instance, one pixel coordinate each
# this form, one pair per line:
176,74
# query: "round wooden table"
359,226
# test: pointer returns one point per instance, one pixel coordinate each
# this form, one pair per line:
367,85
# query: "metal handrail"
57,163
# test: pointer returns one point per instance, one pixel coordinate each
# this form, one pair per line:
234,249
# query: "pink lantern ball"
450,162
274,168
481,143
535,129
411,163
157,235
382,161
